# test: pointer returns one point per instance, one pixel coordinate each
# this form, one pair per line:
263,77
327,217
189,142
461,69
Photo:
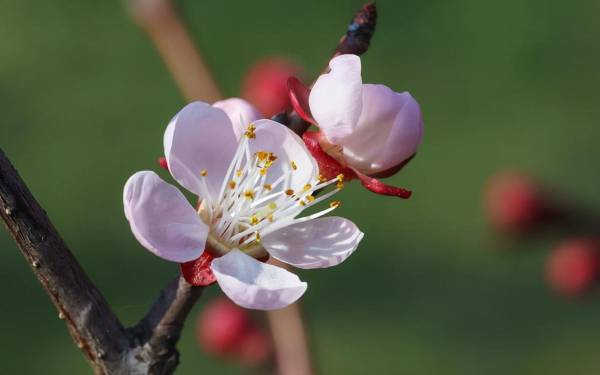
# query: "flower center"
248,207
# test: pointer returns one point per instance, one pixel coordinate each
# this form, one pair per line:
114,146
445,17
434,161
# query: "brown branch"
148,348
161,22
158,332
93,326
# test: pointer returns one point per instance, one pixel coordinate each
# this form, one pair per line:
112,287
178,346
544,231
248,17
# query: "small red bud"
162,161
221,326
574,266
265,85
514,202
255,347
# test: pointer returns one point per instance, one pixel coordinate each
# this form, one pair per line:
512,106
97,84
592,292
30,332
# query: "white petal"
198,138
255,285
388,132
336,98
318,243
240,113
161,218
273,137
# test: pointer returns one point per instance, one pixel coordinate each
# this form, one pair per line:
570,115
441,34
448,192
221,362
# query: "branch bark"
93,326
147,348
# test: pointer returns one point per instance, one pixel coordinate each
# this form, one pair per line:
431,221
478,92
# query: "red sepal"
162,161
197,272
379,187
329,168
299,99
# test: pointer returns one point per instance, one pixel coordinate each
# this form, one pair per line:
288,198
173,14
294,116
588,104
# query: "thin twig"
161,22
158,332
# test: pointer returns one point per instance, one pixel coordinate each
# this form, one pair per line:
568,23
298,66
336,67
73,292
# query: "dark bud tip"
360,31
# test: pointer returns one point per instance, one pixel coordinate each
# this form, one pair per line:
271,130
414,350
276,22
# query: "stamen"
250,132
267,187
293,164
289,192
254,220
249,194
335,204
203,172
232,184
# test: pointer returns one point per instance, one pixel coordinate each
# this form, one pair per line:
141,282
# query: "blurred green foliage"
84,100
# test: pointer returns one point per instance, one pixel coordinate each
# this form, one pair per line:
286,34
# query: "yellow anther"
203,172
254,220
249,194
270,217
262,155
322,178
335,204
257,236
263,171
340,177
250,131
289,192
232,185
302,203
339,185
293,164
307,187
272,206
310,198
267,186
239,173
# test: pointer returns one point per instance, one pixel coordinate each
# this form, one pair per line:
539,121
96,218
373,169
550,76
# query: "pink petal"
336,98
388,132
199,137
240,113
255,285
161,218
318,243
406,134
273,137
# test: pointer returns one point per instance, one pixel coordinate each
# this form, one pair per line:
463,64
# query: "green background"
84,100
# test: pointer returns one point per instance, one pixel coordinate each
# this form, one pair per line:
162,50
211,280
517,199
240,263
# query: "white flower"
252,183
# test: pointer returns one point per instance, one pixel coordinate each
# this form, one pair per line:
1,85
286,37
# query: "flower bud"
255,347
514,202
574,266
265,85
221,327
376,129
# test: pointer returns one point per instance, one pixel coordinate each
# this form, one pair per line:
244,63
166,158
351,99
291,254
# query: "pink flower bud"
265,85
221,327
514,202
255,347
574,266
376,128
